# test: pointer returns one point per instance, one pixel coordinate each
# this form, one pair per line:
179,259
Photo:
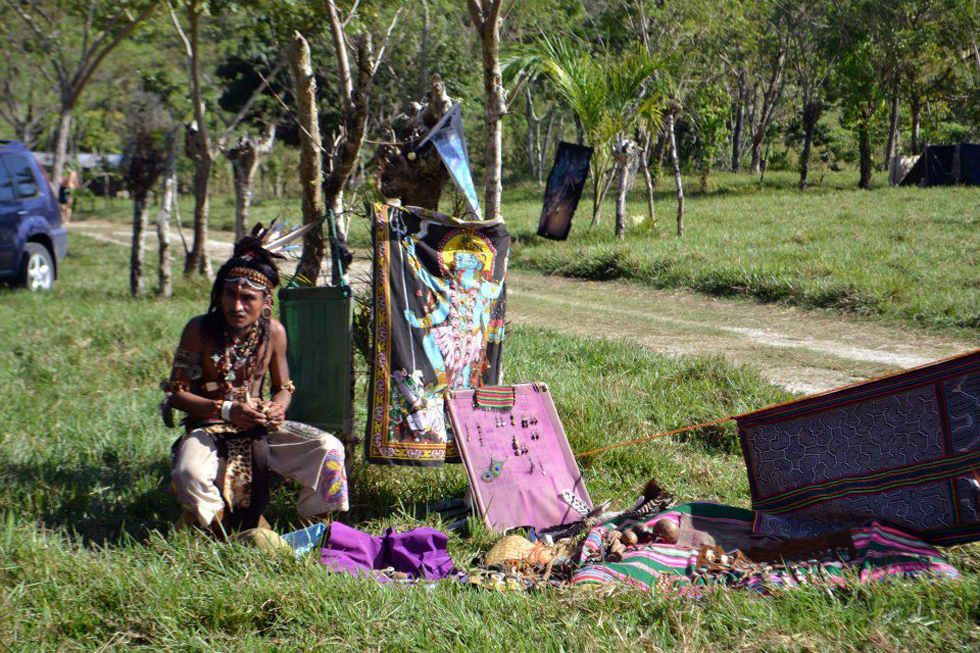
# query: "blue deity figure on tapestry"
442,287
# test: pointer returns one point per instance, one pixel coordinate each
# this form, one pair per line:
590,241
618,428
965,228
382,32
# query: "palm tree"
612,97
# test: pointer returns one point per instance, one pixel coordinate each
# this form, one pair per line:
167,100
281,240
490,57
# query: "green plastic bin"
318,323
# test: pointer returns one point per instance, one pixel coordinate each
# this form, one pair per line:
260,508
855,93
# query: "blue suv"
32,240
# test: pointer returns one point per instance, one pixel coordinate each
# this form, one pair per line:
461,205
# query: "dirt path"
802,351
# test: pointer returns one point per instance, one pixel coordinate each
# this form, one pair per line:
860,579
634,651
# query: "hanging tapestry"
903,450
438,326
564,189
520,467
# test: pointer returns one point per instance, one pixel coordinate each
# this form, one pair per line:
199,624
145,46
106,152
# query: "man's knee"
196,462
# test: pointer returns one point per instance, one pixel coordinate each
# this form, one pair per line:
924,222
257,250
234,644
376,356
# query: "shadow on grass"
102,504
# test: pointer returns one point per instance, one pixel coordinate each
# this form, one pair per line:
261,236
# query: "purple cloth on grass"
420,553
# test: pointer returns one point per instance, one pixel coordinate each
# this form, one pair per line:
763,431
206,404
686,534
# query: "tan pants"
309,456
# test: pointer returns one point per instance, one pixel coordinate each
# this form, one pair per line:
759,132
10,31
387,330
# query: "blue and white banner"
449,140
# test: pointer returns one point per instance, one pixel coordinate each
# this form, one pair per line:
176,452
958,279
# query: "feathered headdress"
254,257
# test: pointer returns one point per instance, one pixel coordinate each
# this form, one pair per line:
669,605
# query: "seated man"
217,379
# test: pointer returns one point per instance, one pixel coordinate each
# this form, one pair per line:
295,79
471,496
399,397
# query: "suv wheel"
38,273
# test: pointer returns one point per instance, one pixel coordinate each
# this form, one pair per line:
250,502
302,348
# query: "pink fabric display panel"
517,459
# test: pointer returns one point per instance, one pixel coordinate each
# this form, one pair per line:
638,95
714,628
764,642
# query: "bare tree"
344,154
310,170
165,258
245,157
143,166
101,33
486,19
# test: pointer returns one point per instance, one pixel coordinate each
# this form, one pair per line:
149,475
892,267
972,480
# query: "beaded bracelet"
288,386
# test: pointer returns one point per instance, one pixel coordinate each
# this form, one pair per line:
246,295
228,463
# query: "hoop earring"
267,312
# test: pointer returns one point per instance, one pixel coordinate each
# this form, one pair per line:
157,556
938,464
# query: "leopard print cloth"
237,483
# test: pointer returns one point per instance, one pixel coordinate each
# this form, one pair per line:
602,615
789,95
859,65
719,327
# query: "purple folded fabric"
421,553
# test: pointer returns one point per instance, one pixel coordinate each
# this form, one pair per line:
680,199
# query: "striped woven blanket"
903,450
878,551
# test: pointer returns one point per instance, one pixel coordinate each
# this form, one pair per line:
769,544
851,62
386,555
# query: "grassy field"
89,560
906,255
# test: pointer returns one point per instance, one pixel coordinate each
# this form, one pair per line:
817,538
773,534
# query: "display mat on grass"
517,459
903,450
439,302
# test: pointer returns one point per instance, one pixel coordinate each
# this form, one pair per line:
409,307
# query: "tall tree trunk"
199,150
661,151
675,162
244,159
138,249
739,122
61,146
647,178
165,258
623,152
892,129
770,100
864,146
533,123
310,170
811,114
545,152
486,18
579,130
916,119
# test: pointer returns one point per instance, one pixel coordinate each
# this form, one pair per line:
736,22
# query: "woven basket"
512,548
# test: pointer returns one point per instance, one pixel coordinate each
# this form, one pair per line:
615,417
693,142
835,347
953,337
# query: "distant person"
66,194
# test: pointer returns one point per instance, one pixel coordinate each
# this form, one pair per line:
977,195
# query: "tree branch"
384,42
252,99
340,44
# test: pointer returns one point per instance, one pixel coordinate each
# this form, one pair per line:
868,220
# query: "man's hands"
257,413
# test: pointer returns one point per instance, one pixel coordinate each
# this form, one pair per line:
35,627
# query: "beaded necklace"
240,355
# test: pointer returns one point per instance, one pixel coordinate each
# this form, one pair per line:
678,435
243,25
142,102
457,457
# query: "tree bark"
770,100
811,114
533,135
545,151
892,129
199,150
623,152
486,18
675,162
916,119
739,122
165,258
245,158
138,249
310,170
864,146
647,178
61,146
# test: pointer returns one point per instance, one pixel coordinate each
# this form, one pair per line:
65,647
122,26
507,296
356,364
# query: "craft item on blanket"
438,326
540,482
418,554
564,189
714,537
900,450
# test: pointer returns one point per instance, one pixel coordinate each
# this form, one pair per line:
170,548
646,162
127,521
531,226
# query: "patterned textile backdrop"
904,450
439,302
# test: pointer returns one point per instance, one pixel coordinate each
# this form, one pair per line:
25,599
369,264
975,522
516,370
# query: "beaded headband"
252,278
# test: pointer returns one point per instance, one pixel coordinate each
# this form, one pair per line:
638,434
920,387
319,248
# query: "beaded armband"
217,407
173,387
288,386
